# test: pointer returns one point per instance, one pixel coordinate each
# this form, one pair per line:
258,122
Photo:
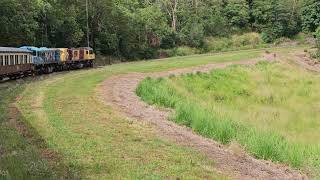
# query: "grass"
270,109
88,140
20,159
97,144
93,142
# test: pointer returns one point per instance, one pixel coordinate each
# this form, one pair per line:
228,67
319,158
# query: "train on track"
28,60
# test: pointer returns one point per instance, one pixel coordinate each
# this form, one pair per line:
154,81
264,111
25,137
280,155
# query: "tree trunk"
174,15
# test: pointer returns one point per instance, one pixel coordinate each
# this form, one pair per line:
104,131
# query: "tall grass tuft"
204,122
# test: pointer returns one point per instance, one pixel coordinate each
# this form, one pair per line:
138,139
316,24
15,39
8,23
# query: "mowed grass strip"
21,157
271,109
97,144
94,142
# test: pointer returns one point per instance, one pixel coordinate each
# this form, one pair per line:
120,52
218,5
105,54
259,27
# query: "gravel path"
119,92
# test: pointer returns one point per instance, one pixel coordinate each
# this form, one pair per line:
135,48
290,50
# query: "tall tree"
238,14
311,15
18,24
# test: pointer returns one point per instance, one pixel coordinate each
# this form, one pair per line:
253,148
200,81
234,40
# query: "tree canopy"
138,28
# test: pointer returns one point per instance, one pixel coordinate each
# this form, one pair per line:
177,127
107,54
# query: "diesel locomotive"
29,60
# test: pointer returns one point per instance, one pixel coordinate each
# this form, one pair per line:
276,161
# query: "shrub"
304,39
179,51
235,42
317,35
266,37
316,54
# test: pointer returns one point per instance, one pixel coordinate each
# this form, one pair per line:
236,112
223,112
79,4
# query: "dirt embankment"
306,62
119,92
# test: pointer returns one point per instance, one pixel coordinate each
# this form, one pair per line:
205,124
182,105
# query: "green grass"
63,115
270,109
20,157
94,142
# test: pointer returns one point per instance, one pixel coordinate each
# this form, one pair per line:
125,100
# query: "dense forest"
140,28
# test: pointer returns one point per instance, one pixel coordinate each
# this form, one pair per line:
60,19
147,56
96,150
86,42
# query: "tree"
311,15
171,6
237,13
18,24
139,28
272,19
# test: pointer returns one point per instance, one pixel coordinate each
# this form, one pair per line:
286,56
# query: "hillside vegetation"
142,29
270,109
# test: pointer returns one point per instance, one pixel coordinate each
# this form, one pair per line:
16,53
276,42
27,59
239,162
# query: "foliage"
237,13
272,18
179,51
304,38
137,29
17,22
235,42
317,34
316,53
311,15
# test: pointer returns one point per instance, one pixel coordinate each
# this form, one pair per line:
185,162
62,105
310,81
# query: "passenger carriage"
15,62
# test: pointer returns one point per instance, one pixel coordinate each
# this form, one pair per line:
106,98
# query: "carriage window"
34,53
87,52
91,51
16,58
6,60
12,60
25,58
1,61
21,59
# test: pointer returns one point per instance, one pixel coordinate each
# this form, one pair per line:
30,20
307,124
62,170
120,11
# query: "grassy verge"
94,142
270,109
20,156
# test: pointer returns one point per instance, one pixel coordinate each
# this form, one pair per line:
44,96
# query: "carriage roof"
13,50
31,48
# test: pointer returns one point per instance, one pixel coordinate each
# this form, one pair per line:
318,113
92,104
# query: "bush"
304,39
267,38
179,51
315,54
235,42
317,35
